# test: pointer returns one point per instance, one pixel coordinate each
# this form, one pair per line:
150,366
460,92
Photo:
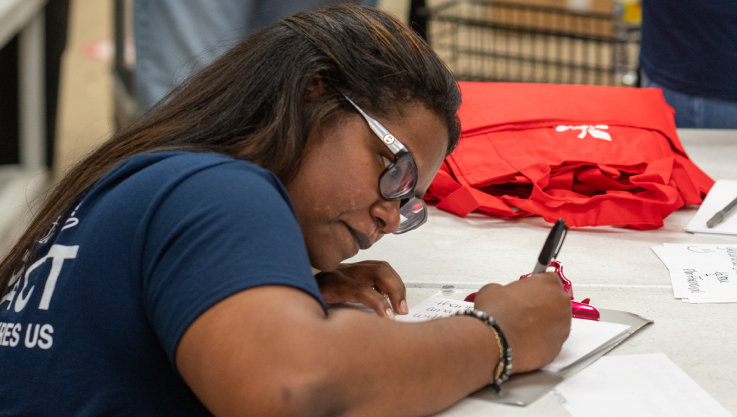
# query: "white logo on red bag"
596,131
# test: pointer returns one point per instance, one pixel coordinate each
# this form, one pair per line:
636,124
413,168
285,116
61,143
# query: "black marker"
551,247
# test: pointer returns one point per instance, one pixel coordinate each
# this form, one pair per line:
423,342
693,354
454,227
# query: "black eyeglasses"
399,178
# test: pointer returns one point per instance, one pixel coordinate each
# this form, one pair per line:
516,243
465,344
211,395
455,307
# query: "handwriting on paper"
695,279
434,308
701,273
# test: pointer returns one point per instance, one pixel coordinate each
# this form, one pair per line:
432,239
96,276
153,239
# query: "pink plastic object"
579,310
583,310
567,285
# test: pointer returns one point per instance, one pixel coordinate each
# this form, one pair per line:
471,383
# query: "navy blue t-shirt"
690,46
92,325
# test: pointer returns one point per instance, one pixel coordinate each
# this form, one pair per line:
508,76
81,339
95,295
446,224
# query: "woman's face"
336,190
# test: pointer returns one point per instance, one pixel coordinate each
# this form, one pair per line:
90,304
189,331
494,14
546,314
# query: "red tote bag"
589,154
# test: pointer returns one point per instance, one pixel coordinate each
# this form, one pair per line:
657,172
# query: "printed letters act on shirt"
58,253
35,334
22,285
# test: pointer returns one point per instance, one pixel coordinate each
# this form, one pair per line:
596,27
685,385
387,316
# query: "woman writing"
169,272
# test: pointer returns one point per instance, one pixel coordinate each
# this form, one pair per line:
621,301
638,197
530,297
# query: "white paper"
721,194
648,385
701,273
587,337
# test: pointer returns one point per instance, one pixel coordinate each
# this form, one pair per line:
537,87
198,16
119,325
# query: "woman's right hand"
535,315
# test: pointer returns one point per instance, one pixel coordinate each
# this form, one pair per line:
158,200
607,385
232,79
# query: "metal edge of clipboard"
524,389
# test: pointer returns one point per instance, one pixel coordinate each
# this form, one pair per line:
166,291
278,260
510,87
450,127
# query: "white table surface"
614,266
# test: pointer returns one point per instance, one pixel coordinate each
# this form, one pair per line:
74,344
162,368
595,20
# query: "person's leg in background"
720,114
697,112
174,38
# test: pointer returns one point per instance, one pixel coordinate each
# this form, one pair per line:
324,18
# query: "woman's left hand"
372,283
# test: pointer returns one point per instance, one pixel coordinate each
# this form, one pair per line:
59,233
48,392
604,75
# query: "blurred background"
64,86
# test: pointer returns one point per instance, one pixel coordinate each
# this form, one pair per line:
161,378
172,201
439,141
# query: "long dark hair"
252,103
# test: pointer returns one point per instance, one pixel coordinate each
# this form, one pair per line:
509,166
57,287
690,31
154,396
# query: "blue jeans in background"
697,112
174,38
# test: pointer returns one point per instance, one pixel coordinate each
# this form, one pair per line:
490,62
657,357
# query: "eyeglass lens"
412,214
399,179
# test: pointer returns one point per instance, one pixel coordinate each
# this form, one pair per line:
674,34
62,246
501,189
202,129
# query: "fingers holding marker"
535,315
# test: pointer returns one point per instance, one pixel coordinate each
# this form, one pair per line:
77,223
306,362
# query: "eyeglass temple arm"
379,129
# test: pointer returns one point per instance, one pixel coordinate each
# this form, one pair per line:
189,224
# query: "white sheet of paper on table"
586,337
721,194
648,385
701,273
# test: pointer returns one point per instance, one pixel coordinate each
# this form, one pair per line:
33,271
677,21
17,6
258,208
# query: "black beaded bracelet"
504,368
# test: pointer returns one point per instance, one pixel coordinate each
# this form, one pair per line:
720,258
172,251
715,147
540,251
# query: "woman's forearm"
271,351
386,368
